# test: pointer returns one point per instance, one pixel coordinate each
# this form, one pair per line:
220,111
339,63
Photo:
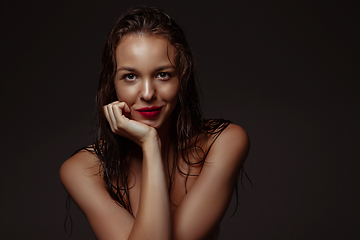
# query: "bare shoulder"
82,178
83,162
232,145
236,133
232,136
79,171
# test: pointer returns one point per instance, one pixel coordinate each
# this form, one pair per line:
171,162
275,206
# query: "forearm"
153,220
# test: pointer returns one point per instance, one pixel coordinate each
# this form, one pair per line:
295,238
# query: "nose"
147,92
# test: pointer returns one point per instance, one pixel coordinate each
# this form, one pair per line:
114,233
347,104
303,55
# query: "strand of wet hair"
242,173
68,217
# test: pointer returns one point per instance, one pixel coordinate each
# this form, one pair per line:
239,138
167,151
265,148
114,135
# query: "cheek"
170,93
126,94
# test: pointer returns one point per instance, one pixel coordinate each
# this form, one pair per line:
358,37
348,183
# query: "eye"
163,76
129,77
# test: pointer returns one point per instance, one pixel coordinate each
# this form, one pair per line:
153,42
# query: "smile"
149,112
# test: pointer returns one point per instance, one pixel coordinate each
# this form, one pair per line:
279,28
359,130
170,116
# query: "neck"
168,139
165,132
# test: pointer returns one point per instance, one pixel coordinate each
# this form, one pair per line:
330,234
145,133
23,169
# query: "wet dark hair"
114,151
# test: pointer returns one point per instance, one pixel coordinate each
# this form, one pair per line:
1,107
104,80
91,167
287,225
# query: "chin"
151,123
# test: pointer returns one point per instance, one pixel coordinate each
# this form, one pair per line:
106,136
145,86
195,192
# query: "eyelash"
126,76
168,75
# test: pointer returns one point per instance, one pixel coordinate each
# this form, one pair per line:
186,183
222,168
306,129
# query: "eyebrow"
130,69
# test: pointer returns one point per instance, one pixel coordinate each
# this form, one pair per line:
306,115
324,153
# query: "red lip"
149,112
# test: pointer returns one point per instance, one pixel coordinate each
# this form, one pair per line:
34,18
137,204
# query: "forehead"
144,50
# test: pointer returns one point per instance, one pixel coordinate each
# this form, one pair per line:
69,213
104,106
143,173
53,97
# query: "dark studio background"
287,71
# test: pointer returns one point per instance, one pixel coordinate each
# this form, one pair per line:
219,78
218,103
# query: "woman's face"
146,78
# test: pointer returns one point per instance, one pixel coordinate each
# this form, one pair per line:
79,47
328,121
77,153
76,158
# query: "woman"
157,169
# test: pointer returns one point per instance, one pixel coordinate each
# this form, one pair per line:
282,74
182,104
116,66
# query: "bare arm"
153,220
197,216
202,209
108,220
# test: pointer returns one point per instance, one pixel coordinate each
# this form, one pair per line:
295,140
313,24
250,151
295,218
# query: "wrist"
152,140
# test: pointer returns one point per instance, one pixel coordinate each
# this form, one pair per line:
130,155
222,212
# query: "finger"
106,113
112,116
125,110
109,117
123,106
118,114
